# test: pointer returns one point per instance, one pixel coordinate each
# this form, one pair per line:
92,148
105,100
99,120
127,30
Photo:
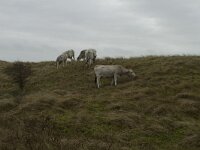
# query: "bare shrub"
19,72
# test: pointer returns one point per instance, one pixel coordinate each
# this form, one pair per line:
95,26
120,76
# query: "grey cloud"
40,30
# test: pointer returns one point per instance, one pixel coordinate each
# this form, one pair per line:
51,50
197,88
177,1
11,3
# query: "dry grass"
63,109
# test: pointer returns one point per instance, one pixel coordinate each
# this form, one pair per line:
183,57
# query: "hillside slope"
63,109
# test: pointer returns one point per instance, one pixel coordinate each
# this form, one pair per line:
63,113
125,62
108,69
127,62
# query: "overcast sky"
38,30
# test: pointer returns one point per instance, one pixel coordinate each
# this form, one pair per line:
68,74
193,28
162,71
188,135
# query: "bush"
19,72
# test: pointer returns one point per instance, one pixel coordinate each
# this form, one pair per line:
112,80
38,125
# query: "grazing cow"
83,54
60,59
63,57
112,71
90,57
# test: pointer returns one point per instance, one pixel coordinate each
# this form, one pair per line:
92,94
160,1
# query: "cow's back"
90,55
69,53
92,51
107,70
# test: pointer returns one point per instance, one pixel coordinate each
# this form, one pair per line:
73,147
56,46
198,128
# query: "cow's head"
78,58
131,74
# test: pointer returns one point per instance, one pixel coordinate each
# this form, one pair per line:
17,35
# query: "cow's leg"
115,79
86,63
66,62
94,59
63,62
98,81
90,63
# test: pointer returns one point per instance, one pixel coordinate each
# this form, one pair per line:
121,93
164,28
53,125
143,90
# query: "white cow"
64,56
84,54
90,56
112,71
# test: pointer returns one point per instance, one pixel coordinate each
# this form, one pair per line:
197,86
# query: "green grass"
63,109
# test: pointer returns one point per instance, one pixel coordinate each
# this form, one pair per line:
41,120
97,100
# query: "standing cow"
84,54
64,56
112,71
90,57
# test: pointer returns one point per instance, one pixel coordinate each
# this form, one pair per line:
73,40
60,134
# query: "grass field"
63,109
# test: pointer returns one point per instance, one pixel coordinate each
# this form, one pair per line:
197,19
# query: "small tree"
19,72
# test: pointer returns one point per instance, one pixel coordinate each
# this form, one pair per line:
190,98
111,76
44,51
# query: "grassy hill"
63,109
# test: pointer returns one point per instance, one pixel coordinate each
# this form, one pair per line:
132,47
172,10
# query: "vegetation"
63,109
19,72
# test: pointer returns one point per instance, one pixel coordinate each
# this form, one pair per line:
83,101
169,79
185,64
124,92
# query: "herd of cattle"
89,56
